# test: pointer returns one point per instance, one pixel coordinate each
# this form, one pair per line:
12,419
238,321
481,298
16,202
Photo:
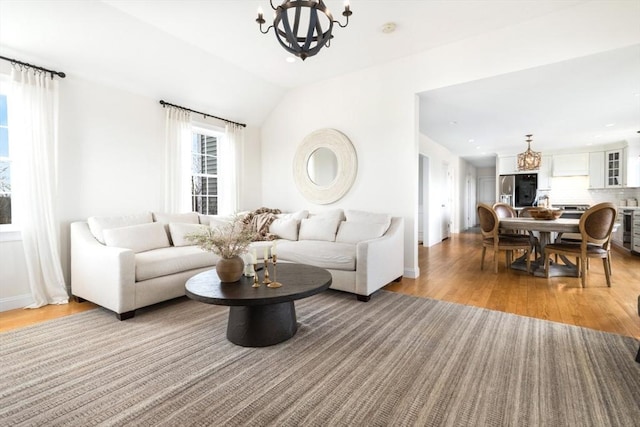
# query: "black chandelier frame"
287,34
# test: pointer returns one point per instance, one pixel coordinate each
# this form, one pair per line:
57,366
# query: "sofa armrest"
380,261
101,274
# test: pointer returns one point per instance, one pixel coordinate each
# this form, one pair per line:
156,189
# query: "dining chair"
596,226
491,238
535,241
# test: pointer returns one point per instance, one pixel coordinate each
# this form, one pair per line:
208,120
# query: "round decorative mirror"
322,167
325,166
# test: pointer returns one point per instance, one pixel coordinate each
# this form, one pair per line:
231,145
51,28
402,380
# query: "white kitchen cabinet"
544,174
596,169
631,165
571,164
613,168
507,165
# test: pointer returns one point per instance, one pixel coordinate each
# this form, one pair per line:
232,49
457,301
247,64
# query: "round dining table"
545,228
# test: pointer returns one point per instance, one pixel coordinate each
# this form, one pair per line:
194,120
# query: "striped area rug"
396,360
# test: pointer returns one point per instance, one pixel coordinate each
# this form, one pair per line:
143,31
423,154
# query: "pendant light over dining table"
303,27
529,160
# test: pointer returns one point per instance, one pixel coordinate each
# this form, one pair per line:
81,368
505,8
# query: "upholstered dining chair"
491,238
596,226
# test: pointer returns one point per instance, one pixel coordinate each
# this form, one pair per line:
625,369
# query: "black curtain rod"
164,104
52,72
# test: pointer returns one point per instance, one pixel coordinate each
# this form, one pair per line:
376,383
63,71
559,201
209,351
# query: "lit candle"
273,249
347,6
266,254
260,14
254,258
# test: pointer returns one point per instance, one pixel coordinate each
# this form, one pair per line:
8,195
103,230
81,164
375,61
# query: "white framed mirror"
325,166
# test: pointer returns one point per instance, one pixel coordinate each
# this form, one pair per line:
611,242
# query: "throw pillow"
369,217
138,238
299,215
98,225
354,232
179,232
319,229
285,228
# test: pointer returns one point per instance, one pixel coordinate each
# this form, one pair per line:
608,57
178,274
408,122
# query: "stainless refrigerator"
518,190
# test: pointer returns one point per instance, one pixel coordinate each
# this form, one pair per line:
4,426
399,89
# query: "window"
204,171
5,164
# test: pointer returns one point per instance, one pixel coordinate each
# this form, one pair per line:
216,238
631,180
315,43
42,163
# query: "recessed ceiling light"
389,27
477,147
608,125
597,136
290,59
472,140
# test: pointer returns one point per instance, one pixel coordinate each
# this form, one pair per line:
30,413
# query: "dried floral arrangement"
228,241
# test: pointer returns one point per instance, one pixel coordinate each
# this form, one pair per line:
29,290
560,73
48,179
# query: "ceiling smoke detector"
389,27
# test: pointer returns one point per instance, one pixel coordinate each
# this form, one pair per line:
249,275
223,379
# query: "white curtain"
177,180
33,118
230,153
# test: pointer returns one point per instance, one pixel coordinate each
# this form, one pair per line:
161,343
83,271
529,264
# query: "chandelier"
529,160
303,27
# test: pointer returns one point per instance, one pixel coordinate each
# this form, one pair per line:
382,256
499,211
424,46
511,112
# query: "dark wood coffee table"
259,317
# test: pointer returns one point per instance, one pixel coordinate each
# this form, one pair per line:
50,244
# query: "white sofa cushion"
368,217
216,221
138,238
183,218
319,228
180,230
285,228
354,232
332,255
166,261
295,215
97,224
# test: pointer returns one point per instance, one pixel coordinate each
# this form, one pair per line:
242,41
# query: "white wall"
111,145
376,107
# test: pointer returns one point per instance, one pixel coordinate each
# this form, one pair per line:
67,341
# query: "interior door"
446,201
486,191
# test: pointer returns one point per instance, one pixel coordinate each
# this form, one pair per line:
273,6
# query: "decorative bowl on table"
545,213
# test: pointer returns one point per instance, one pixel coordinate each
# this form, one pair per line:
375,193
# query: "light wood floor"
450,271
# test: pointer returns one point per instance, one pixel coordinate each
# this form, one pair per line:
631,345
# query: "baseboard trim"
18,301
412,273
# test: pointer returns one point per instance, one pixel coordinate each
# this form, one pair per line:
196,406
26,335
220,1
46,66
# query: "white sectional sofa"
128,262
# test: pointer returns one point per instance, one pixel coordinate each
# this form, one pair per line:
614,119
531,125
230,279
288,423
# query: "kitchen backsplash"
574,191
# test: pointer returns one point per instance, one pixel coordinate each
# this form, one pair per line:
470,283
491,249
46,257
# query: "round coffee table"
262,316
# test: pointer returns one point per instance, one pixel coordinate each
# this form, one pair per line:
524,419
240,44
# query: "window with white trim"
204,171
5,164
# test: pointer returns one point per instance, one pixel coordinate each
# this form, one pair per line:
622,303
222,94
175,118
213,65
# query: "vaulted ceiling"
210,55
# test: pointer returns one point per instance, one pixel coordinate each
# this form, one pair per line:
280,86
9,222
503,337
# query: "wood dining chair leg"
583,272
495,261
484,251
607,274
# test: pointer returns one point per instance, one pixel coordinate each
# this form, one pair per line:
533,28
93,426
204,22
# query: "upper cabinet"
596,169
544,174
631,155
507,165
571,164
613,168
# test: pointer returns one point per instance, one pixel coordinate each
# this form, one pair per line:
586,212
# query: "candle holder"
266,280
275,283
256,283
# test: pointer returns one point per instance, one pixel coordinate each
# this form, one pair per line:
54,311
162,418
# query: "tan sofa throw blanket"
260,220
